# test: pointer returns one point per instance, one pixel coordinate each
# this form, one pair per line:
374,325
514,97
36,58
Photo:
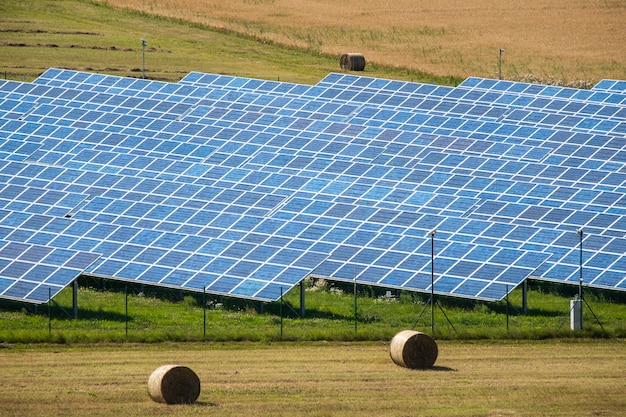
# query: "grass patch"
158,315
565,41
93,36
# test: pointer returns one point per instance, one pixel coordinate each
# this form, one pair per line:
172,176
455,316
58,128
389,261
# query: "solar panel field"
242,187
236,187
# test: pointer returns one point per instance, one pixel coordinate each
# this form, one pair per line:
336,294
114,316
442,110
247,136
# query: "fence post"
356,318
507,309
126,296
49,312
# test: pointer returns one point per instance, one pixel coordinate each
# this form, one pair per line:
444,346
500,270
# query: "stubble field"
552,41
552,378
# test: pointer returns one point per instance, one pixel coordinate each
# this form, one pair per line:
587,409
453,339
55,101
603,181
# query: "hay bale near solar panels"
174,384
413,350
352,62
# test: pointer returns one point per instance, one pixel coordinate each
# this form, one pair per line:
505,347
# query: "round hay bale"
413,350
352,62
173,384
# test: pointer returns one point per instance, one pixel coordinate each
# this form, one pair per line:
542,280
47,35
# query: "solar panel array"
245,187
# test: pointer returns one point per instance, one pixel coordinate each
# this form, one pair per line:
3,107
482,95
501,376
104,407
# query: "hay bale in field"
413,350
352,62
173,384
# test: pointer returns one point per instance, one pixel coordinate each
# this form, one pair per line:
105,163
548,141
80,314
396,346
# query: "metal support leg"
302,309
75,298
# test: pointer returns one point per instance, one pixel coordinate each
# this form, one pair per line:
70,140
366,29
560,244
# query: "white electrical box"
576,314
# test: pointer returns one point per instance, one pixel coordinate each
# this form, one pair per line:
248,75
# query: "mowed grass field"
83,35
552,378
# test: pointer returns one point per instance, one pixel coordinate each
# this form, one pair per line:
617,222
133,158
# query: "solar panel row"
587,175
571,174
284,197
36,273
594,152
611,86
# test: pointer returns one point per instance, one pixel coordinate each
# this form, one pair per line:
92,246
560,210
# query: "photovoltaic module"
244,187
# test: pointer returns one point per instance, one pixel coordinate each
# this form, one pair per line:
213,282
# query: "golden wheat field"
544,40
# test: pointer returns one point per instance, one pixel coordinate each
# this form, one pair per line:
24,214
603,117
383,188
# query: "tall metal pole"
49,312
525,296
507,308
143,57
580,264
75,298
126,296
580,284
302,307
432,281
580,300
355,308
204,312
500,64
281,312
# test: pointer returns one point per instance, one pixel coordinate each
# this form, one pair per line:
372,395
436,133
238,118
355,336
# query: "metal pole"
126,296
75,298
355,307
143,58
525,296
49,312
580,276
204,313
580,264
580,284
432,281
500,64
507,308
302,307
281,312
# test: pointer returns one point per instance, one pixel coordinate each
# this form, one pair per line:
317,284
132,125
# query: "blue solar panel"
36,273
513,135
611,86
267,183
486,100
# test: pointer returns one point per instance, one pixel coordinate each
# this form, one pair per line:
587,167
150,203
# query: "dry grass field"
552,41
553,378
